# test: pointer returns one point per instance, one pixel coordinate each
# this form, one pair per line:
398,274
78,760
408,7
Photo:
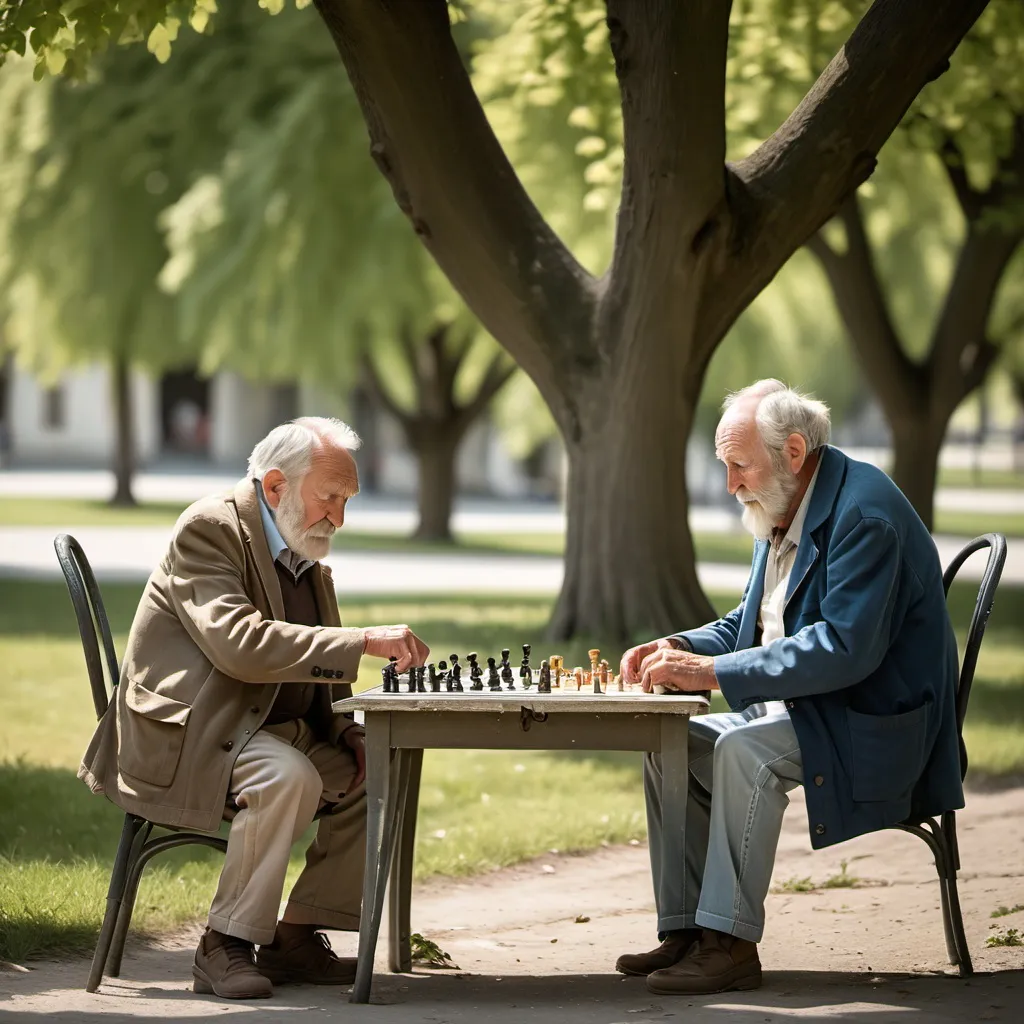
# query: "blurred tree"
620,358
291,259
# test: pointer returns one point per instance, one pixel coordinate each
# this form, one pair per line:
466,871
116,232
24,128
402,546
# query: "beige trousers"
279,782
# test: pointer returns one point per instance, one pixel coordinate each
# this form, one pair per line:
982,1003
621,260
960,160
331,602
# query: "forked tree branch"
670,62
431,140
860,299
796,180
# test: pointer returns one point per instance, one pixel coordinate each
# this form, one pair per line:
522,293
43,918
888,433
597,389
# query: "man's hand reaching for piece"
399,641
678,670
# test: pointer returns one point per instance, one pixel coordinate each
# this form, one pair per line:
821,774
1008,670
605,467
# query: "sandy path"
873,953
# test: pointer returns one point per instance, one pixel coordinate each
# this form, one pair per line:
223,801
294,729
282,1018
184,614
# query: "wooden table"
400,726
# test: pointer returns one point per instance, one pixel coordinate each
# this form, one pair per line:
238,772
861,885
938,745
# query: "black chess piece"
544,683
492,675
421,672
457,677
392,668
385,675
506,671
442,676
525,675
411,688
475,672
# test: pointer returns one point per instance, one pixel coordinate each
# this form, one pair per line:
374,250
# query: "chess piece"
605,674
421,672
385,675
577,677
392,667
506,672
594,653
493,681
556,662
475,673
525,674
457,677
444,677
544,683
411,688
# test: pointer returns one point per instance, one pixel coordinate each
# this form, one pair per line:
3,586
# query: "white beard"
313,543
763,510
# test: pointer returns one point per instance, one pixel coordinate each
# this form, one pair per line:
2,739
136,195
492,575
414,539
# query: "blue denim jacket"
868,667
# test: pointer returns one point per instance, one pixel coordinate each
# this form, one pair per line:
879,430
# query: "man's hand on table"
399,641
677,670
629,667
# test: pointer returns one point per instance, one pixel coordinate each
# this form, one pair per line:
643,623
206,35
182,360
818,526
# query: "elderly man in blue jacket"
840,667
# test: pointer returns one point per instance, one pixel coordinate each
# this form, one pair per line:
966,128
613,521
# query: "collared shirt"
279,550
781,556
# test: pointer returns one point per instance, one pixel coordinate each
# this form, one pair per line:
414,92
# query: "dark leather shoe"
718,963
224,967
307,959
670,952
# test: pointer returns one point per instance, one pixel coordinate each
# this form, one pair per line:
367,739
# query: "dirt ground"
538,943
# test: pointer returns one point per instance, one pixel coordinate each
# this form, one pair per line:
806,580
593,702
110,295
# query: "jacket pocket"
888,753
152,734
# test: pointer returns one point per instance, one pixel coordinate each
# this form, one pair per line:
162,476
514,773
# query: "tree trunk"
915,471
124,451
436,453
620,359
630,568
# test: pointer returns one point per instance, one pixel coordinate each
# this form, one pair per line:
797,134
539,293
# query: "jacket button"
316,670
328,673
790,704
819,830
227,745
255,709
819,780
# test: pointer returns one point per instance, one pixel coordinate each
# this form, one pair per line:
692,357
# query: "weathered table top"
626,701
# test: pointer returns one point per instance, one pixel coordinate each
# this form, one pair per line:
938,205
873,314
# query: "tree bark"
436,424
124,442
919,397
916,446
436,453
620,360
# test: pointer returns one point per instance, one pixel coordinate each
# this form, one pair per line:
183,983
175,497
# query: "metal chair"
136,847
941,835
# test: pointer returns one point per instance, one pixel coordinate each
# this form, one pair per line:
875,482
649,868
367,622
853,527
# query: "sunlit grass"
479,809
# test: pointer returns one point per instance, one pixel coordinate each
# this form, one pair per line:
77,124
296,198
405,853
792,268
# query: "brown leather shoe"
670,952
719,963
224,967
308,959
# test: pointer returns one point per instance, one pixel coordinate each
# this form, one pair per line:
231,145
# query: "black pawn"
411,688
475,673
457,677
492,675
544,684
421,673
443,676
385,675
525,674
506,674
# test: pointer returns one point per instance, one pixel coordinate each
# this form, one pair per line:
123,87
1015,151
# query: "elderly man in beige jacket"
225,700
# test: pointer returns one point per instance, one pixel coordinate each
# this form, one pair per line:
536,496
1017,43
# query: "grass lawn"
479,809
1003,479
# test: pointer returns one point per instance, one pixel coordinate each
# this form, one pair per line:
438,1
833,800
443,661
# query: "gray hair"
290,446
783,411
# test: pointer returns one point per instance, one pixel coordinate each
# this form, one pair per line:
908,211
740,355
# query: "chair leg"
951,897
115,893
131,891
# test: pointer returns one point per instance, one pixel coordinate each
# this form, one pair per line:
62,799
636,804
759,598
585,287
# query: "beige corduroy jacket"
207,653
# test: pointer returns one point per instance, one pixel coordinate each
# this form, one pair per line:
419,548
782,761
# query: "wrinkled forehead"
737,433
333,469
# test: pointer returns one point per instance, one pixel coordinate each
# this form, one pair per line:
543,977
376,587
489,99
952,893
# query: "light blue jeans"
716,873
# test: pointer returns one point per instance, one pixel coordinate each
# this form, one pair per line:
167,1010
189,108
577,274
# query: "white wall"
87,434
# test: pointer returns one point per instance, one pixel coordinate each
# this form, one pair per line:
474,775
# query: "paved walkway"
536,944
